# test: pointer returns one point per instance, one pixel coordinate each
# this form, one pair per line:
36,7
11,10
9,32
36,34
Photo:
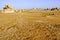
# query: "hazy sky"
31,3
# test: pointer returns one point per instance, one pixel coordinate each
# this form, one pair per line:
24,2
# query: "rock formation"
8,9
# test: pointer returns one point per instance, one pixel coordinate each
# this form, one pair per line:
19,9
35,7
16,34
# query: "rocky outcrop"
8,9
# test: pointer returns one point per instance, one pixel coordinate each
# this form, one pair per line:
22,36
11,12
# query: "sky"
30,3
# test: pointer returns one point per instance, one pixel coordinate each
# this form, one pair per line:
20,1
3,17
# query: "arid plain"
29,24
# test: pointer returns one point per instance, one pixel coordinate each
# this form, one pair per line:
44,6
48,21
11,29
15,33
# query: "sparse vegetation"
54,9
30,25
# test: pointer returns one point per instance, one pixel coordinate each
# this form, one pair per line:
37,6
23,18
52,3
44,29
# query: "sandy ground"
29,26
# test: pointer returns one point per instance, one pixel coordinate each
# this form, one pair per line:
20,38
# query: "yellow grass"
30,25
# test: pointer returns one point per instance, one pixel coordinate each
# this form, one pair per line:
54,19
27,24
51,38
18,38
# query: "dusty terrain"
30,25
